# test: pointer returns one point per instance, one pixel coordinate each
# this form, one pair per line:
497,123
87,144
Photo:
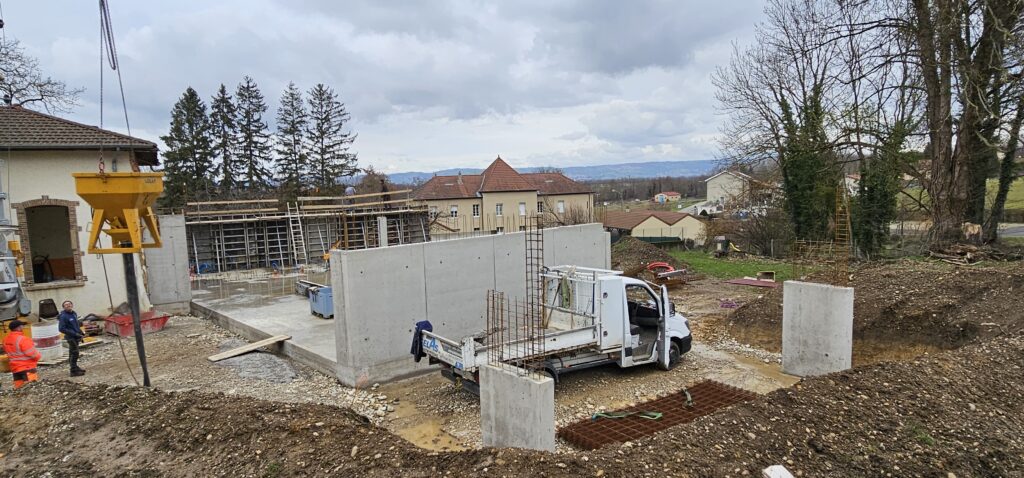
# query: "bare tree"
877,64
24,84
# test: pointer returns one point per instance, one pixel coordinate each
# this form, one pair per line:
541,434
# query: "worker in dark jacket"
69,326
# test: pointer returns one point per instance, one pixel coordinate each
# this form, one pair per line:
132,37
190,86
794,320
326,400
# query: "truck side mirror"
24,307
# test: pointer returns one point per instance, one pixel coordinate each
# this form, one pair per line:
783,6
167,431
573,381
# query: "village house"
656,226
500,199
41,152
731,190
667,196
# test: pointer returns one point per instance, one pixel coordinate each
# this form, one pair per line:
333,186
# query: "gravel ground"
176,357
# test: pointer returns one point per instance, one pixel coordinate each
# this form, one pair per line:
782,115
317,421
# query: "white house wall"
724,187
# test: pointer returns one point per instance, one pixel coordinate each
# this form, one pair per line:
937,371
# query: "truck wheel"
673,355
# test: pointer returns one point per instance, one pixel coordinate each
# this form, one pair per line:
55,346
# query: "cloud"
430,85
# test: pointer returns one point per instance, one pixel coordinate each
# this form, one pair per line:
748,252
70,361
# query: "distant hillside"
652,169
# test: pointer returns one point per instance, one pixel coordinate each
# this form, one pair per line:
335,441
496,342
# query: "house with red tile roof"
656,226
40,152
501,199
667,196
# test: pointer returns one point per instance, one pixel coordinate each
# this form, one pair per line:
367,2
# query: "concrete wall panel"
382,295
448,265
167,267
379,294
817,328
510,264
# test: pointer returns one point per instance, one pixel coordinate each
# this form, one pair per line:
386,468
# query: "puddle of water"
771,370
429,435
421,430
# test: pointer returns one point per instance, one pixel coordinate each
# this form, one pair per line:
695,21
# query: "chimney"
460,177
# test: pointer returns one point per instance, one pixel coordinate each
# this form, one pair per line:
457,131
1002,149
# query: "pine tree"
188,159
291,154
224,134
327,142
253,138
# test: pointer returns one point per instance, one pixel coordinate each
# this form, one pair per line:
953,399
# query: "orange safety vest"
21,352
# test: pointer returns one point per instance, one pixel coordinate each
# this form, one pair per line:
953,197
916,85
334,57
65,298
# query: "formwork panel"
707,397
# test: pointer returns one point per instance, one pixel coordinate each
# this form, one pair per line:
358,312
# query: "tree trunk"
946,185
1006,175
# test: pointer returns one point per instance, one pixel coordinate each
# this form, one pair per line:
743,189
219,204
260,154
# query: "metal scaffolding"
267,233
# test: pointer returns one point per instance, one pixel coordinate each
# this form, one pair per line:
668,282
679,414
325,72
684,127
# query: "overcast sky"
430,84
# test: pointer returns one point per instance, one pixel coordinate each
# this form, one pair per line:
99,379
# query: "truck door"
611,315
663,340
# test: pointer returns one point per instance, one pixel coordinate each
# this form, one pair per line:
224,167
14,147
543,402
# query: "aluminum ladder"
297,237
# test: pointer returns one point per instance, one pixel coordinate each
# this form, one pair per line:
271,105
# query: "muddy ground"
906,308
931,413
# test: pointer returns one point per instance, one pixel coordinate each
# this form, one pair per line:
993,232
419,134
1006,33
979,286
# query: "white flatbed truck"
591,317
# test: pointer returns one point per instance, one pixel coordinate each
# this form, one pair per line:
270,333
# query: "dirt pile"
915,303
951,413
631,256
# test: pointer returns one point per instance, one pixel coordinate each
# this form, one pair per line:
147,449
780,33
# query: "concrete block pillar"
382,230
817,328
517,410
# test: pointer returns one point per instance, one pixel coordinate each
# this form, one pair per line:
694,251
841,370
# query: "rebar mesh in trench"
707,397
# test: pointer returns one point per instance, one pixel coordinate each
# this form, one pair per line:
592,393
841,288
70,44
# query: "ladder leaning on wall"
297,237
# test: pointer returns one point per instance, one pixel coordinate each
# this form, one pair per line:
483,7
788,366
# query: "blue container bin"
321,302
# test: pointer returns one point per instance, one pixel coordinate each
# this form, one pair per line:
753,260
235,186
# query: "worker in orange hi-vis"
22,354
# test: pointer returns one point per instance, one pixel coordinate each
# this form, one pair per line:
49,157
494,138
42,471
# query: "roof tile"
499,176
25,129
630,219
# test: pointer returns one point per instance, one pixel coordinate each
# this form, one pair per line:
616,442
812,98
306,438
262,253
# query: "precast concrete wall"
817,328
379,294
167,267
516,410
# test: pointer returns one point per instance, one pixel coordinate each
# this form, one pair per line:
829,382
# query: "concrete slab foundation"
817,328
517,411
259,309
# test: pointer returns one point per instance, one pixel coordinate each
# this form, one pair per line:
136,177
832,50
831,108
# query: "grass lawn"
1014,199
1012,241
647,205
733,267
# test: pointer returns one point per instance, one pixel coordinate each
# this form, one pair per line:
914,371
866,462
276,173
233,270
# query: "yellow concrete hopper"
121,202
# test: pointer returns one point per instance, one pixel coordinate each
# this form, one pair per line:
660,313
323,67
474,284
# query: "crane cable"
107,45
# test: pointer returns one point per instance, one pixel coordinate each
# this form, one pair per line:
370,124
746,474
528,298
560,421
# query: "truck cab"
646,320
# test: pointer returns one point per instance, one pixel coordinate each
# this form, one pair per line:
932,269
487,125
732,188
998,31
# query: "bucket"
46,338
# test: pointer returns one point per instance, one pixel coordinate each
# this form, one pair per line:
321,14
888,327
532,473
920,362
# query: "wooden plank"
213,203
358,205
229,212
354,196
248,348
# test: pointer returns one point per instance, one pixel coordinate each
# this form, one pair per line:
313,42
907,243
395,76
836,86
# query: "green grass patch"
920,434
1012,241
733,267
1014,198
